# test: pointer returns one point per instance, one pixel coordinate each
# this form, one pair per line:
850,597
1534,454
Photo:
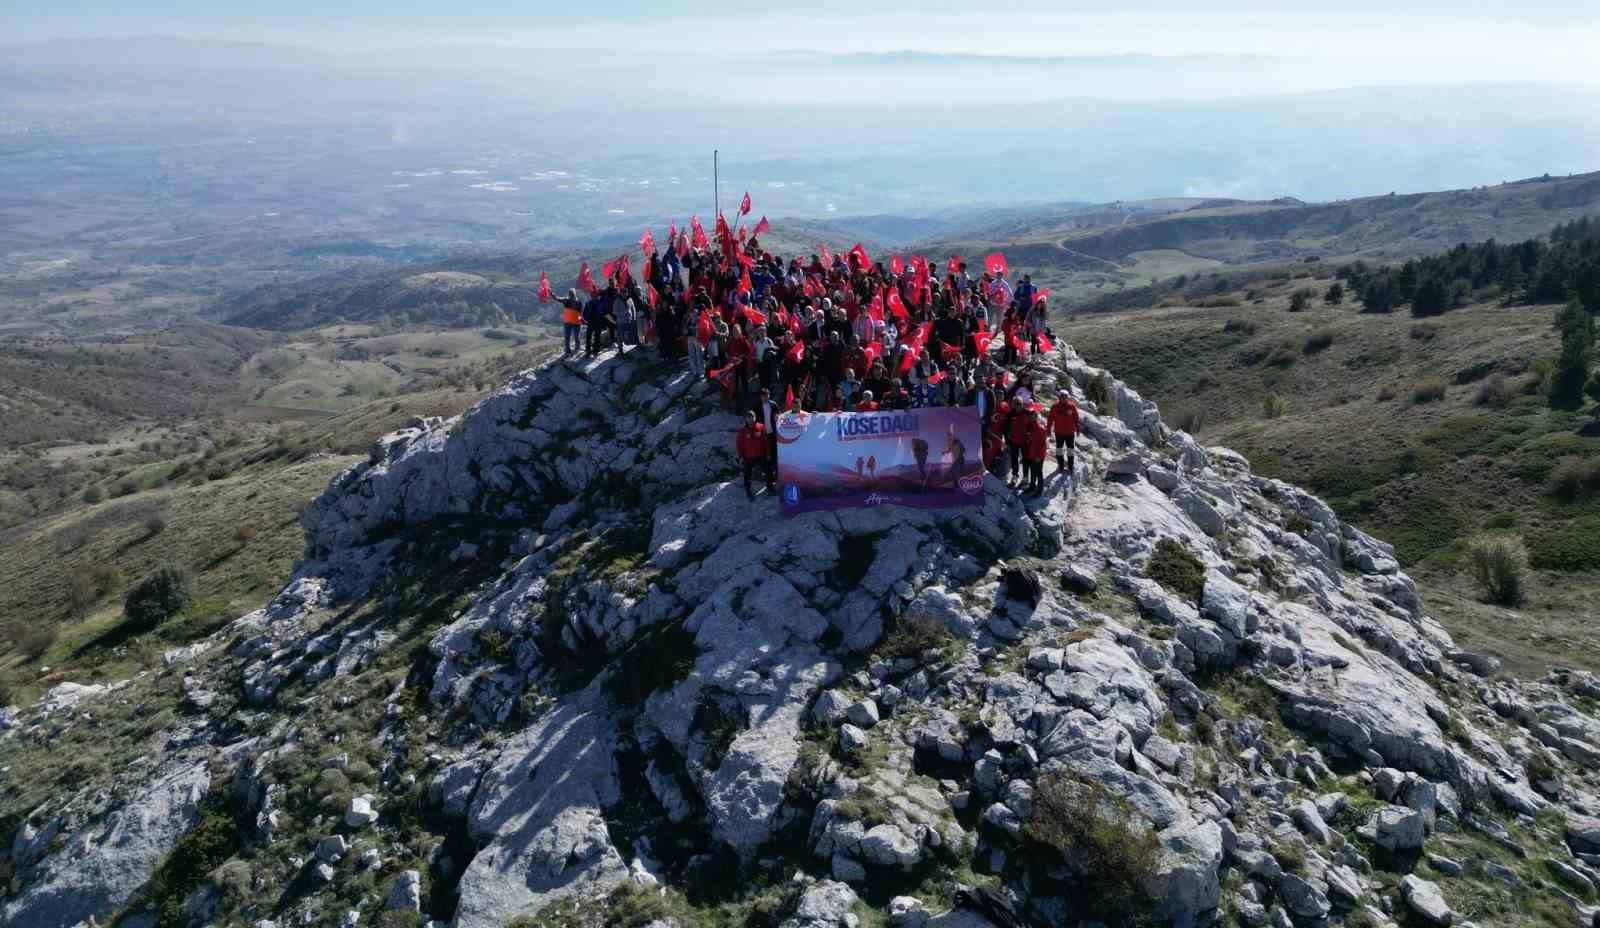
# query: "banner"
929,458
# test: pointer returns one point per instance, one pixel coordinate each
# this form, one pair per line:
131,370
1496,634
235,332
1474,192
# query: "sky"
1350,43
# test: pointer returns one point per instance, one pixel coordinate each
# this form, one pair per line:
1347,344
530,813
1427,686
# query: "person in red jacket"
867,403
751,443
1064,422
1037,448
1017,426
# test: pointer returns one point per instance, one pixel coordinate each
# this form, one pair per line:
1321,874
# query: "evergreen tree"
1567,381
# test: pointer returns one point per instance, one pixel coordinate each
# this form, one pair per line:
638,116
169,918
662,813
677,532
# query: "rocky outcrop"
586,664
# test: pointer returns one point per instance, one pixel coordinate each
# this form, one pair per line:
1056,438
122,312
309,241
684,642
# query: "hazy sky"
1357,42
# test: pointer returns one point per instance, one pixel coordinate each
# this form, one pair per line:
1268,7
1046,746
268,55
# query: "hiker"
1065,422
1016,436
1037,447
571,322
627,321
751,444
767,413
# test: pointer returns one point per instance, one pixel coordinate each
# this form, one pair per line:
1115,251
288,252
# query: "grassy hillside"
1085,253
231,525
1427,433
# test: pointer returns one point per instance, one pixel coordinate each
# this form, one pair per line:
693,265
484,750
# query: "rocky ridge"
545,662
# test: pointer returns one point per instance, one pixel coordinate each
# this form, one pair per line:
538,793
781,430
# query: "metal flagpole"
716,186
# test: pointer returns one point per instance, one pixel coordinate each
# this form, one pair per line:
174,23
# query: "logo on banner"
971,484
792,425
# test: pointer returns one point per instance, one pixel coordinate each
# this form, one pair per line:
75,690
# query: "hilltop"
1089,252
544,664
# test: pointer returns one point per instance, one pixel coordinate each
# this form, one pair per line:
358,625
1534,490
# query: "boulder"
1424,898
405,893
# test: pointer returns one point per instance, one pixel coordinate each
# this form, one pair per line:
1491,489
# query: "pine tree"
1567,381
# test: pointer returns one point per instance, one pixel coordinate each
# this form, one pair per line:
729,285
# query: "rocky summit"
545,664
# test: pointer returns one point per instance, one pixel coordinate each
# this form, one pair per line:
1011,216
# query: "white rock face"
652,677
102,864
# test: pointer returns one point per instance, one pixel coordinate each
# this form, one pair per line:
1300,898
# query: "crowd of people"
835,333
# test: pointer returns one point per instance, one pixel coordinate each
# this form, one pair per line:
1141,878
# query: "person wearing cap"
867,404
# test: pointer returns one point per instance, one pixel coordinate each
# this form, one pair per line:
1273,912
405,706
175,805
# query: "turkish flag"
609,269
744,204
788,397
703,329
700,239
745,286
995,264
897,307
896,266
981,340
651,295
1040,296
743,233
1018,342
860,254
647,243
954,264
724,378
586,279
919,268
875,308
827,259
755,315
809,287
938,376
1045,344
544,287
762,227
797,352
873,351
672,233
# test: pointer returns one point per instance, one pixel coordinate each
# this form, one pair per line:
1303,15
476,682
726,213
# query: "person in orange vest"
1036,449
1065,423
751,444
571,321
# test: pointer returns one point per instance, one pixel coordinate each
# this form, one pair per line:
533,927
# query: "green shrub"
93,494
1102,839
1177,568
1317,342
1386,393
1191,419
1425,331
1573,478
1098,391
157,597
1241,326
910,636
1574,545
1497,566
1273,406
1300,300
1496,391
1335,294
1427,391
